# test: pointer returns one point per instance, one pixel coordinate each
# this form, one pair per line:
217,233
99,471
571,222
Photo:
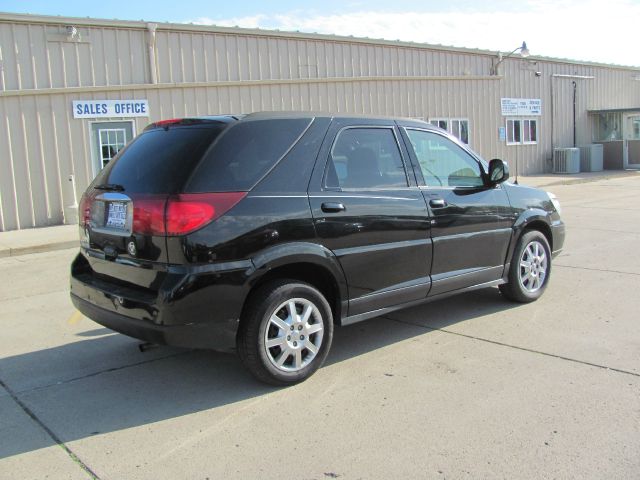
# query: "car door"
368,212
471,221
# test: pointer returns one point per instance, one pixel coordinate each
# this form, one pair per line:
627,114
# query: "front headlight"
555,201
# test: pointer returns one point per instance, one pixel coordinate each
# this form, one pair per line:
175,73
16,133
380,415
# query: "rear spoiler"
210,120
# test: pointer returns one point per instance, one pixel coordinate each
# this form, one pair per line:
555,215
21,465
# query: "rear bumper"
189,336
192,307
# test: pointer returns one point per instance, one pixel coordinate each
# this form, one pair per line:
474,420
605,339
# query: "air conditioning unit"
566,160
591,157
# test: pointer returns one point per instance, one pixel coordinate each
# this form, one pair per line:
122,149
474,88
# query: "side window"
365,158
244,153
443,163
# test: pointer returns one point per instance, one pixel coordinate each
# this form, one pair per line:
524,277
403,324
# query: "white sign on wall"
110,108
521,106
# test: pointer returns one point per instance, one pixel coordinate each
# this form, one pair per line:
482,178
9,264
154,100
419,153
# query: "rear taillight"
189,211
84,209
148,214
180,214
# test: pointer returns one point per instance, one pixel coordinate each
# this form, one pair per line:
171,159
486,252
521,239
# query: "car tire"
277,346
530,268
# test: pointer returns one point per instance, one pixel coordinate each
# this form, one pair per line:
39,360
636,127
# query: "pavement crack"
100,372
596,269
592,207
609,230
33,295
524,349
50,432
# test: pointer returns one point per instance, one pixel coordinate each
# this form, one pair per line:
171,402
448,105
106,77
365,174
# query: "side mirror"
498,171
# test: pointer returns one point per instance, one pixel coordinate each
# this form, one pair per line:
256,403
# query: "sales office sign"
110,108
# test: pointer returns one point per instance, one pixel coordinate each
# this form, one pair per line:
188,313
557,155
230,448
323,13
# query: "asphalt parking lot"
468,387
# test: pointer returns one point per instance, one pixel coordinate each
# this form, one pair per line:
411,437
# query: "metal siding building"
183,70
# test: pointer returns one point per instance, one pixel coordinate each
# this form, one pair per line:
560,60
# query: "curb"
577,181
47,247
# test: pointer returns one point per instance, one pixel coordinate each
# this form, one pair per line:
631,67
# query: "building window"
609,127
112,140
442,123
636,129
522,131
458,127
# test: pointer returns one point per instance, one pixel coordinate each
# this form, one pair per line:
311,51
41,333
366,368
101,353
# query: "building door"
632,141
107,139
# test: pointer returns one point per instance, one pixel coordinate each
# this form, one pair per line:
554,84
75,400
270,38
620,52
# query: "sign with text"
521,106
110,108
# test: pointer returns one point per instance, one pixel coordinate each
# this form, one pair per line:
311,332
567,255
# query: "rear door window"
364,158
246,152
159,160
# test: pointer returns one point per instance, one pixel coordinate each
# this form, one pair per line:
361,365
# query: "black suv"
262,232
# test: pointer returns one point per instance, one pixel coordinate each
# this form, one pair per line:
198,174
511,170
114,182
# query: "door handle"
437,203
333,207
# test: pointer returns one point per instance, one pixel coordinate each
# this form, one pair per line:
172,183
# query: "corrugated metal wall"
209,71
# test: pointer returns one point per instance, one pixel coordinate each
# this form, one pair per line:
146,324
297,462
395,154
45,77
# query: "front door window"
443,163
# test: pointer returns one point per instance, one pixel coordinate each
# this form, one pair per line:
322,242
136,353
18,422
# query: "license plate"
117,215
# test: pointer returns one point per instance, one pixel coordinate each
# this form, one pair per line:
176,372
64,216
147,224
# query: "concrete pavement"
468,387
34,240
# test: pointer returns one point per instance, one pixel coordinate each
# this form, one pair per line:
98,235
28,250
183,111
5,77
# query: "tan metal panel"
163,60
20,163
63,147
8,199
32,138
10,65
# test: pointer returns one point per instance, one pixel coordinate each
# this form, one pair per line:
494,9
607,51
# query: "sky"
592,30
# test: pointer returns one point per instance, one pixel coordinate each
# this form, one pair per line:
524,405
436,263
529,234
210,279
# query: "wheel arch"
534,219
305,262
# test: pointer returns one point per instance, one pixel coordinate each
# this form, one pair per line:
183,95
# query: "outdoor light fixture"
524,53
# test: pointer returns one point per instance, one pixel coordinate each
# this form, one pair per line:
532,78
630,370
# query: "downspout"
575,86
553,115
151,43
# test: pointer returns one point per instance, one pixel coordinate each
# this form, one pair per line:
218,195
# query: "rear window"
160,160
244,154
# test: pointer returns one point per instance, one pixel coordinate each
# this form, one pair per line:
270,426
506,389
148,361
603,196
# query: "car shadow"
165,383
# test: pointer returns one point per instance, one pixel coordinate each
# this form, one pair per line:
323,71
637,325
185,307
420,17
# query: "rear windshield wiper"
112,187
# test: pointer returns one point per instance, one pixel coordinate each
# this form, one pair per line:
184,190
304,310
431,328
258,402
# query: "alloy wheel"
293,334
533,267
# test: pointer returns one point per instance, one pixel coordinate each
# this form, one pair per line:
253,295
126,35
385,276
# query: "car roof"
233,118
320,114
